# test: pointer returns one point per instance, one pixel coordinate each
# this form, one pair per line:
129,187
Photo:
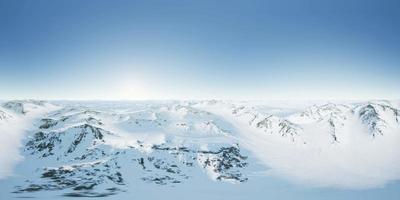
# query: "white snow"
13,130
357,161
294,141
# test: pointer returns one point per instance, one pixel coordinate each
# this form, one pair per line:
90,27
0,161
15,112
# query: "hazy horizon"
210,99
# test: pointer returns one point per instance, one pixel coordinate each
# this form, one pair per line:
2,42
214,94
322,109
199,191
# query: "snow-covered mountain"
101,149
25,106
4,115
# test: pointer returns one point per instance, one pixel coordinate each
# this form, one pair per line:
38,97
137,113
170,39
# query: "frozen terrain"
202,149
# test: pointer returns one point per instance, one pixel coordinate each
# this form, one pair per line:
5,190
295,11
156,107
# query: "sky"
186,49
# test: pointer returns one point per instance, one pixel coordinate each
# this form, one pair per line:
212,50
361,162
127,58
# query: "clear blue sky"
304,49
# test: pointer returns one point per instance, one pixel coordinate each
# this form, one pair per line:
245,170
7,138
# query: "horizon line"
208,99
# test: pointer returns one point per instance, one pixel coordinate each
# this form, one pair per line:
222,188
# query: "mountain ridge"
91,151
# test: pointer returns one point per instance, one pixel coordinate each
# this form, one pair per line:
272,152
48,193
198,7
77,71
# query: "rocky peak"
369,115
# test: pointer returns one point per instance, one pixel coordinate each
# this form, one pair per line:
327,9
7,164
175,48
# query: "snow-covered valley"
210,148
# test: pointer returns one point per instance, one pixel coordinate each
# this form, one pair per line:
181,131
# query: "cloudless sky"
187,49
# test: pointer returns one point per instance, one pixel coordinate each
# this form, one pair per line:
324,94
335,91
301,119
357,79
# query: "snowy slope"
330,145
16,118
100,149
98,152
